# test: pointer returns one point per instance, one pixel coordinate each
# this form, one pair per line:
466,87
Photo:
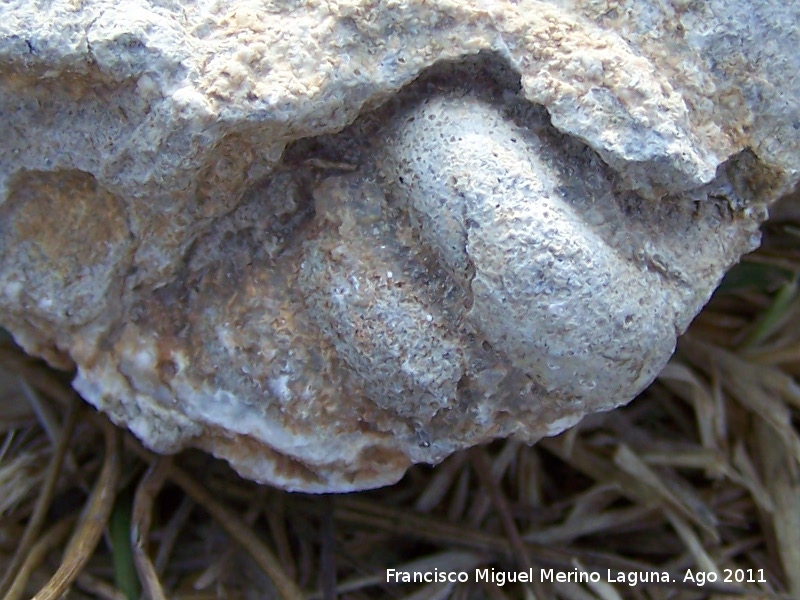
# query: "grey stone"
326,240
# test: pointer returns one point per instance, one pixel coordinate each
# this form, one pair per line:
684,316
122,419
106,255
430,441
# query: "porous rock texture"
328,239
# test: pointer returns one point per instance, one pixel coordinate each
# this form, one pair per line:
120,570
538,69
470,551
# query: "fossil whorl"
327,240
566,305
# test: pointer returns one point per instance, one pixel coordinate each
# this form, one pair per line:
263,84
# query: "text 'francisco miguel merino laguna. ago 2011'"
631,578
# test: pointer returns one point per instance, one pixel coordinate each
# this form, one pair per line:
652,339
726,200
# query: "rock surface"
326,240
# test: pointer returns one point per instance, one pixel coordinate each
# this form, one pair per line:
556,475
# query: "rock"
327,240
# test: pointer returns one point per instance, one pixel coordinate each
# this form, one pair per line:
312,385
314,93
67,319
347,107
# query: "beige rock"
326,240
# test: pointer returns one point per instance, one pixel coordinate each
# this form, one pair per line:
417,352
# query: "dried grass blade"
752,387
44,412
603,589
440,483
92,522
37,375
366,514
772,356
51,539
276,520
711,461
262,555
43,500
327,544
573,591
746,475
710,416
20,476
634,480
588,524
99,588
374,515
432,591
169,534
147,490
783,481
458,501
482,501
670,491
482,466
702,560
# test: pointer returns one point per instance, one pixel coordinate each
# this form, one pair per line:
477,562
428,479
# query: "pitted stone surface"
326,240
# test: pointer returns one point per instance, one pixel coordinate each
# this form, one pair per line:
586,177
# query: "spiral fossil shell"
327,257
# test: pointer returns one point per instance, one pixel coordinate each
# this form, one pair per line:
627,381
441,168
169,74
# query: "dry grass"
700,474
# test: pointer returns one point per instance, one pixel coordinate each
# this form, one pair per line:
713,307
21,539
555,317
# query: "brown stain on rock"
68,236
67,216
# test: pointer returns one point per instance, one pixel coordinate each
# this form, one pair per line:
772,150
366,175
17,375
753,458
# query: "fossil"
327,256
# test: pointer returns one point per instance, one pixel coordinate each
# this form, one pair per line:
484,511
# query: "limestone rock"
326,240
